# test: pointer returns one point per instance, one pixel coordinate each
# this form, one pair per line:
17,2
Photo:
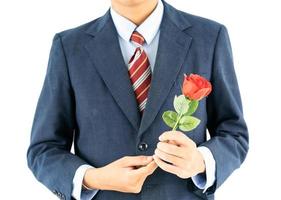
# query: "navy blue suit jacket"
87,98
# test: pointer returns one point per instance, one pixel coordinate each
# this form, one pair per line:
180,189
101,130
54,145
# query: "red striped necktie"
139,71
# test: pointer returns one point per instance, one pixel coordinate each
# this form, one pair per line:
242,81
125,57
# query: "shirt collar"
148,29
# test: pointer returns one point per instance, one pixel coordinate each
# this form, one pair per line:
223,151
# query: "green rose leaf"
181,104
170,118
193,105
188,123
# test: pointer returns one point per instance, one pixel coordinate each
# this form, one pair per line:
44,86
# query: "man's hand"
182,154
126,174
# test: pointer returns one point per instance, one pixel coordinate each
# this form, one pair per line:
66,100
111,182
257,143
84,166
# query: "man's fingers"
172,149
129,161
166,167
175,160
179,137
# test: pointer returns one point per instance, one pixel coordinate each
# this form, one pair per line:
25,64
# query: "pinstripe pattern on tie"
139,71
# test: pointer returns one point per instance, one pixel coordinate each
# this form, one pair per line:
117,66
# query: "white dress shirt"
149,29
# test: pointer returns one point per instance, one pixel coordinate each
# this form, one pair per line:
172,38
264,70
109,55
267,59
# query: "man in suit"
106,86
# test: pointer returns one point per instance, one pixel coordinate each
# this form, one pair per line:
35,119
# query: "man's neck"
136,13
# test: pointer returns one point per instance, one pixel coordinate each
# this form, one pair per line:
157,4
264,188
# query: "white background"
27,29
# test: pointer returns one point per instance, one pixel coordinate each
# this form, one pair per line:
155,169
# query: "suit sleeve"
48,155
226,124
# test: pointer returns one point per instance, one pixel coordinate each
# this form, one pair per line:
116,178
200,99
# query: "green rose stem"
176,124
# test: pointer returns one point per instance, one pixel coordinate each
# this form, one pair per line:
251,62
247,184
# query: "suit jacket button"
143,146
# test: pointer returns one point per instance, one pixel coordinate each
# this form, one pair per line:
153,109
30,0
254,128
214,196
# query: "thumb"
148,169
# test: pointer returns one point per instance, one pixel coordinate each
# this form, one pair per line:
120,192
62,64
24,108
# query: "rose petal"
189,88
201,94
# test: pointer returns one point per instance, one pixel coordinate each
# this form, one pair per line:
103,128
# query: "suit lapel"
106,55
172,50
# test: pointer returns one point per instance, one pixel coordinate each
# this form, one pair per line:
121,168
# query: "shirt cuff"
207,179
78,191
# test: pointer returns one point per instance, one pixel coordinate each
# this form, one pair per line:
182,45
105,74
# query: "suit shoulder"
203,24
77,32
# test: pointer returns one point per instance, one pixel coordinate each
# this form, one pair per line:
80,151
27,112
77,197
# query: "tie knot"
137,37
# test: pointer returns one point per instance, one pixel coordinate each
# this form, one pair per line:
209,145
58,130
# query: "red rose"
196,87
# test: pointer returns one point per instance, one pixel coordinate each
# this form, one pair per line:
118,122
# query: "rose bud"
196,87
